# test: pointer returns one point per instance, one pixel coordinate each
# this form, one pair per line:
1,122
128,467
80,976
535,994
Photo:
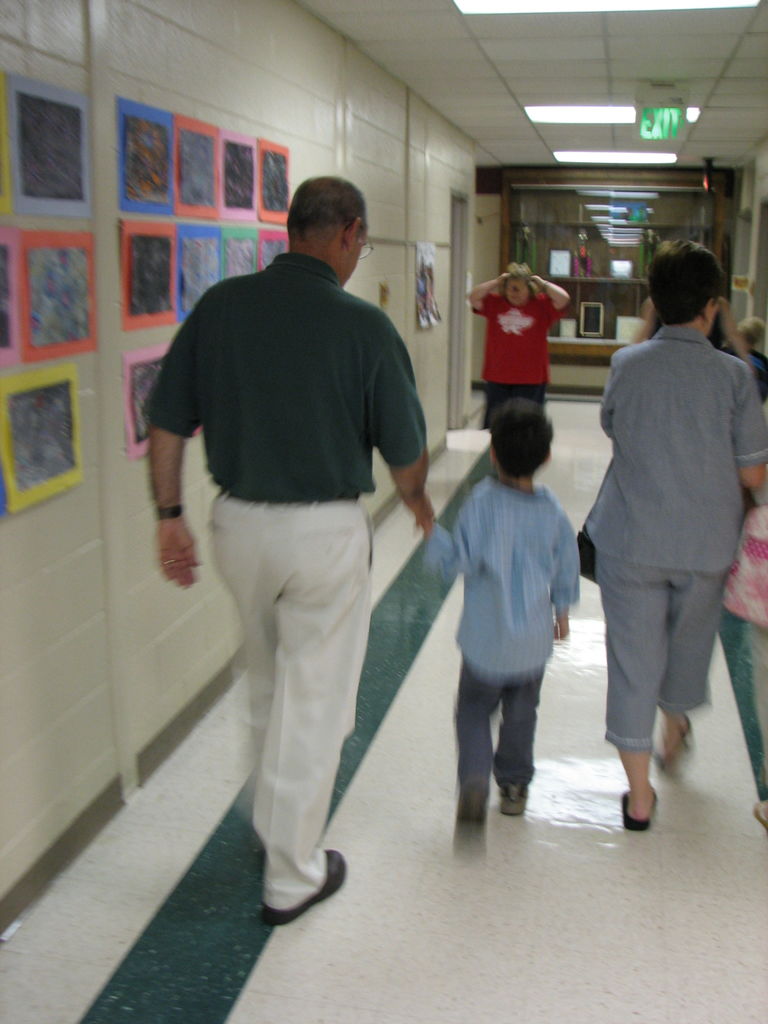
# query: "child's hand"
562,627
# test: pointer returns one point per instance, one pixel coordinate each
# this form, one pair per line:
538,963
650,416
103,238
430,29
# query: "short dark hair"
321,205
521,436
682,278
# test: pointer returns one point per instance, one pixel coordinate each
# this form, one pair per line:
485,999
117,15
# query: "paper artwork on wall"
10,245
274,192
141,369
237,176
148,274
199,263
145,146
238,251
39,434
48,129
271,244
426,305
197,167
6,203
58,315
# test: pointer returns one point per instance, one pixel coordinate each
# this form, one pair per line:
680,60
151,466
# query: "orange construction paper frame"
207,177
58,307
274,189
131,275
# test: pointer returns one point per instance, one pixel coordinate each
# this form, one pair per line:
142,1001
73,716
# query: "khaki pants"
300,575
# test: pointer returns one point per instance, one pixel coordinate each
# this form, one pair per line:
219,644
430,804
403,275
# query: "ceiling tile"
658,68
578,136
479,70
641,47
580,48
746,69
388,50
331,8
678,24
527,26
520,70
753,45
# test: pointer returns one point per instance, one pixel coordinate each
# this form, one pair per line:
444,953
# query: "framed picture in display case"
591,319
559,263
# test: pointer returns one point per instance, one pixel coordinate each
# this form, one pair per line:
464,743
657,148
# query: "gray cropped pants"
660,631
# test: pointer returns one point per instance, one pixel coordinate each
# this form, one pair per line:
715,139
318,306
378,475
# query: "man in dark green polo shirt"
294,382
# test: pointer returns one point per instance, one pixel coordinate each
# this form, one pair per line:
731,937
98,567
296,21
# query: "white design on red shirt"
514,321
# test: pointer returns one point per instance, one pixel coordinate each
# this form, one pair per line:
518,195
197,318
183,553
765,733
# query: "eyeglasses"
366,250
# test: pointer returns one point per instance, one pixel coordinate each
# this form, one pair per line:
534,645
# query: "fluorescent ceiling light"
587,6
692,114
616,193
577,156
581,115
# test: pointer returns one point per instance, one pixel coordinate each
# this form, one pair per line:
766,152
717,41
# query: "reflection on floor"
558,916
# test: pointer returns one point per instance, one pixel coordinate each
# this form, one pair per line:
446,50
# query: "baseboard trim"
159,749
63,851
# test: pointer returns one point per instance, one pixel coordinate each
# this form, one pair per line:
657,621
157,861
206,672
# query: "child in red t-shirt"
520,307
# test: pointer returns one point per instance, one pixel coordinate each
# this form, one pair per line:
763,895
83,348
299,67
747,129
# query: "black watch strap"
173,512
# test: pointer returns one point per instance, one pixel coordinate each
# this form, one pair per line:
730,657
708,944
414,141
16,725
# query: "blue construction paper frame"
191,231
128,108
63,152
3,503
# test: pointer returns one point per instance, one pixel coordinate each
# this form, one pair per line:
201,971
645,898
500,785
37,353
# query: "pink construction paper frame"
137,387
247,145
10,353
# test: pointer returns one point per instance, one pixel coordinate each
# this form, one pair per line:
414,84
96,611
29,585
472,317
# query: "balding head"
321,206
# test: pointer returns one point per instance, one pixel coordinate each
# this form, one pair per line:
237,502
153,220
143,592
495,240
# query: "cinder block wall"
97,654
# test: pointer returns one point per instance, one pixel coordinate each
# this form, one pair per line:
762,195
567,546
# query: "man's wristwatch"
172,512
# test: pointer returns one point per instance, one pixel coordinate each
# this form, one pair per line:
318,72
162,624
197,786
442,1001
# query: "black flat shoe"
334,879
635,824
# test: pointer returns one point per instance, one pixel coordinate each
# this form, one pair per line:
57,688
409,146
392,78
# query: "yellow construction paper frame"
6,196
23,458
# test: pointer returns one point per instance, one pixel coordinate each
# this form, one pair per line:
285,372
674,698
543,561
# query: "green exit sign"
660,122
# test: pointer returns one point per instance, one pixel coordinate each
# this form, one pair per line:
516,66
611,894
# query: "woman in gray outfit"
687,433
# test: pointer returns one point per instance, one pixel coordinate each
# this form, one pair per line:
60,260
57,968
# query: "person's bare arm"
410,482
558,296
752,476
479,292
645,330
731,332
175,543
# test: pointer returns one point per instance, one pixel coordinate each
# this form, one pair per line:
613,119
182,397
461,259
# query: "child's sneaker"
514,796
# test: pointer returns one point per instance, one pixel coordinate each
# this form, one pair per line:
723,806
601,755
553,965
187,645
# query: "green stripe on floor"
194,957
734,635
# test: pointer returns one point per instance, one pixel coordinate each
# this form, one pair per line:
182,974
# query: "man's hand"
410,482
176,551
423,513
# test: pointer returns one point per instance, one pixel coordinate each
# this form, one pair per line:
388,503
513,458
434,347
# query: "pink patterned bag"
746,591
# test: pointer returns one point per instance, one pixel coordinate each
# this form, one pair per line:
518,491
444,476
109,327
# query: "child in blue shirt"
517,551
